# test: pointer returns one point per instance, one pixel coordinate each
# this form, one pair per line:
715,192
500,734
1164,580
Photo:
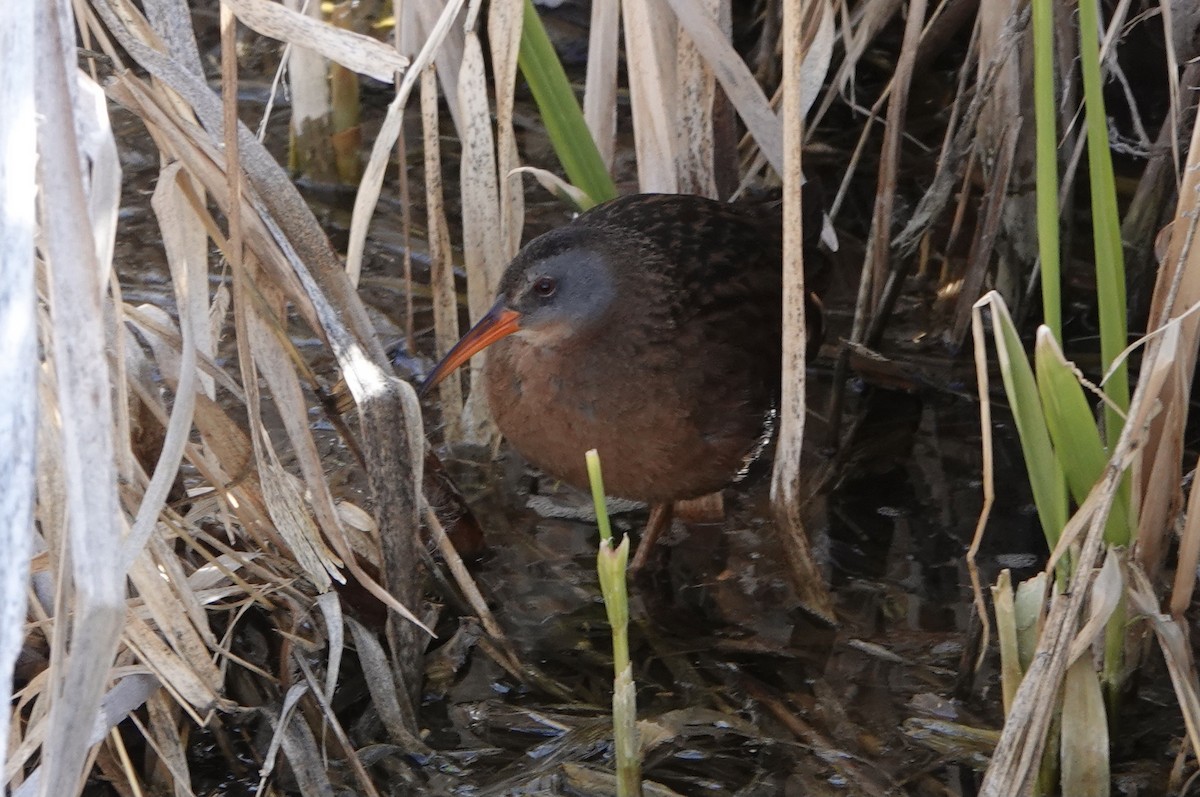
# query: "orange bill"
499,322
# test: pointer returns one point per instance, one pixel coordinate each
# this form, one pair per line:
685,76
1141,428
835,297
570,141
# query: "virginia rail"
647,328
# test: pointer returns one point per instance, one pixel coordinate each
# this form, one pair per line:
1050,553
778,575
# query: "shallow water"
741,689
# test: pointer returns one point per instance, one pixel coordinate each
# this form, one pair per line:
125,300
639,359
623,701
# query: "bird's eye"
545,287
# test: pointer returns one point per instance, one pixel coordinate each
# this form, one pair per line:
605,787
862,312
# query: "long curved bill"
499,322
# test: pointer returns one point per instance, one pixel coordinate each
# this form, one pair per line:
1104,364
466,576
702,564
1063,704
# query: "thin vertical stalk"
611,568
785,480
1106,223
1047,164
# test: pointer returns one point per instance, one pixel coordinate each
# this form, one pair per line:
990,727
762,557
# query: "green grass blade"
1073,431
1045,475
1106,222
552,92
1047,164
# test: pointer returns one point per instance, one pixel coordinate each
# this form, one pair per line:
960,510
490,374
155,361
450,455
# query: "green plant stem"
611,566
1106,223
556,101
596,480
1047,164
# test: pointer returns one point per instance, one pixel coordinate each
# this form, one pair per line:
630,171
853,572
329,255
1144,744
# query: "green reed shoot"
611,565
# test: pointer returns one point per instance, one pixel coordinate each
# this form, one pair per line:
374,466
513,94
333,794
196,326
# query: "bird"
648,328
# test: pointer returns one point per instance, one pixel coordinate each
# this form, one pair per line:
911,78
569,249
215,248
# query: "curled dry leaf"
352,50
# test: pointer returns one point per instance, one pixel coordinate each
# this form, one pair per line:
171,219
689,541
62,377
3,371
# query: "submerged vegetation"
219,580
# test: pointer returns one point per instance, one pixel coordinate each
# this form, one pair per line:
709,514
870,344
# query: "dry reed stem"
649,53
481,220
389,132
90,589
991,212
505,18
786,494
697,91
736,80
18,340
878,260
600,92
441,267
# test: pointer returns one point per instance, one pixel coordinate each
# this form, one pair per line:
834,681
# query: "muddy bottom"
740,687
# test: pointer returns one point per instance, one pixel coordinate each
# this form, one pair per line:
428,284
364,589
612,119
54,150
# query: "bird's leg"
659,521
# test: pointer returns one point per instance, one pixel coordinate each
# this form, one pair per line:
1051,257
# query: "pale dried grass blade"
330,605
557,186
1030,612
1178,286
1189,555
189,689
161,603
171,21
385,142
480,189
351,756
649,37
288,510
352,50
1176,293
1175,34
441,266
395,709
164,339
600,91
1157,486
282,497
1084,741
1157,492
987,449
95,605
1105,594
18,337
161,732
697,91
294,737
419,22
818,53
737,80
869,20
232,146
171,569
1177,652
308,79
504,36
786,495
129,693
1003,604
187,257
274,364
480,217
178,229
103,178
